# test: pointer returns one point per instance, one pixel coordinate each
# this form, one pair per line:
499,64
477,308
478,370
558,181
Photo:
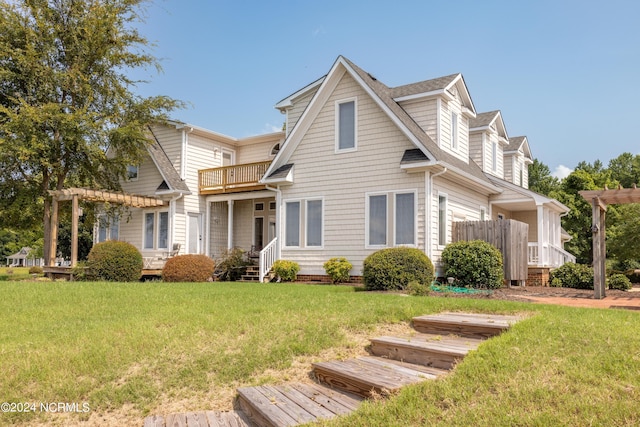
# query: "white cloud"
561,172
270,128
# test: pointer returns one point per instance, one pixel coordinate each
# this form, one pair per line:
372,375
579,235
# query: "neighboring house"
362,167
24,258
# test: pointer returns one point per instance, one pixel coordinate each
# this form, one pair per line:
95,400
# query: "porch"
232,179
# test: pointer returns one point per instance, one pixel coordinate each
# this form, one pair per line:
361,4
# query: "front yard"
127,350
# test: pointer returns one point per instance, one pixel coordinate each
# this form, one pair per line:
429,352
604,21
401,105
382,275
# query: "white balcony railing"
551,256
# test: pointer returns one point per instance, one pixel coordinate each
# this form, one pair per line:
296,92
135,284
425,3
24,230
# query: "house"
360,167
24,258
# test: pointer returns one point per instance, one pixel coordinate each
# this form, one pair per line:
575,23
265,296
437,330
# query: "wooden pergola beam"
97,196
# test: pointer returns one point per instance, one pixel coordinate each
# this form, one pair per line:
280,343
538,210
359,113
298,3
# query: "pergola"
599,200
100,196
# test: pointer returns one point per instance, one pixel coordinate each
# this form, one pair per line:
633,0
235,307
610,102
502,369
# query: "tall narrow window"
292,228
378,220
132,172
521,178
108,228
442,220
346,125
314,223
163,230
454,131
483,213
149,225
494,156
405,219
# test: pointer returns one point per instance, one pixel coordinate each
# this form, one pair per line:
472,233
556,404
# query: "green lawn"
128,349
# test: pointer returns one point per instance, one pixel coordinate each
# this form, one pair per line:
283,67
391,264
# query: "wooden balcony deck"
232,179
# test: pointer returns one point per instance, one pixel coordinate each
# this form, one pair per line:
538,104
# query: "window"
442,219
392,212
314,223
156,230
494,156
346,125
483,213
405,219
260,206
454,131
378,220
275,149
272,206
108,228
310,213
521,178
292,229
132,173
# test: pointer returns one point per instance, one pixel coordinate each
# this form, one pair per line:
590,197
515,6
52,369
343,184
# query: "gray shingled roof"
281,172
423,86
168,172
483,119
385,95
515,143
413,156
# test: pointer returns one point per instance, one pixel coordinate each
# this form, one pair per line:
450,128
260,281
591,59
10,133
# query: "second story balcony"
232,179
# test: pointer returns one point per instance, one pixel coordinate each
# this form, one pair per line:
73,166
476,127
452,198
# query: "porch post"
207,229
540,218
230,225
74,230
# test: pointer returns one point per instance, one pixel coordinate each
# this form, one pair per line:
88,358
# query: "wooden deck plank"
338,402
197,419
309,405
227,419
464,324
453,347
262,410
176,420
406,368
288,405
426,369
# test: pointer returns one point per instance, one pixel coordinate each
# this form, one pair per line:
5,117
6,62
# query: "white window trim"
454,130
446,220
391,220
156,229
284,223
355,125
305,224
483,213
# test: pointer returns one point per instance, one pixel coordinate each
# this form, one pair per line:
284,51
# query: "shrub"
188,268
394,268
417,289
231,265
474,263
286,270
114,261
338,269
620,282
36,270
570,275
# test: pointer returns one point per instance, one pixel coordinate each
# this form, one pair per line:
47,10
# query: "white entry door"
195,233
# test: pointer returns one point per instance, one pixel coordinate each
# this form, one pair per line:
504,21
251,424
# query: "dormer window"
346,125
132,173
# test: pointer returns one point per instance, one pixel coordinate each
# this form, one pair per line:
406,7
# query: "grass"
14,273
131,349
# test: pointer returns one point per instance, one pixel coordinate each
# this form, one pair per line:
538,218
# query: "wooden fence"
509,236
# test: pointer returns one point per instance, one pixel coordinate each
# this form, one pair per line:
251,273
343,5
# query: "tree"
625,169
68,113
540,179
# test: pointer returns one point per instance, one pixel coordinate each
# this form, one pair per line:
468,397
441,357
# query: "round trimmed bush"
394,268
188,268
286,270
36,270
620,282
338,269
571,275
114,261
474,263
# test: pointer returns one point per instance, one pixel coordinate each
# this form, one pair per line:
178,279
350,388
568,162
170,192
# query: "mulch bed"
519,293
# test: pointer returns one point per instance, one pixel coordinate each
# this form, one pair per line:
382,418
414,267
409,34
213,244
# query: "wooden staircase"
440,341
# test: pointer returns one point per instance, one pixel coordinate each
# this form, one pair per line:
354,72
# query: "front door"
258,232
195,233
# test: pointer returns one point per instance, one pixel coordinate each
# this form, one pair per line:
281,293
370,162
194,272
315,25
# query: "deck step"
293,404
200,419
366,376
464,324
424,349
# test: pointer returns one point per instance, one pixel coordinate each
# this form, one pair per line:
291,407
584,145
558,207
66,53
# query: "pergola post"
75,213
599,253
53,230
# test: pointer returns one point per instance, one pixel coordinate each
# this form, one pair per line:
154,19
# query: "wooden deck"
442,341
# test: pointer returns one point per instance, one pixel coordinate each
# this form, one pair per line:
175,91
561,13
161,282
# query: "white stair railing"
268,256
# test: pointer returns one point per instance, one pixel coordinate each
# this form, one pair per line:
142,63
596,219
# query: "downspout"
172,215
427,226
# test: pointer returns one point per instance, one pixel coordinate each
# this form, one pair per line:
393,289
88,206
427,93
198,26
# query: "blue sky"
563,73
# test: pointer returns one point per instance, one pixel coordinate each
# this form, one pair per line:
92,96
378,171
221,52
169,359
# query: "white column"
540,218
230,225
207,229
